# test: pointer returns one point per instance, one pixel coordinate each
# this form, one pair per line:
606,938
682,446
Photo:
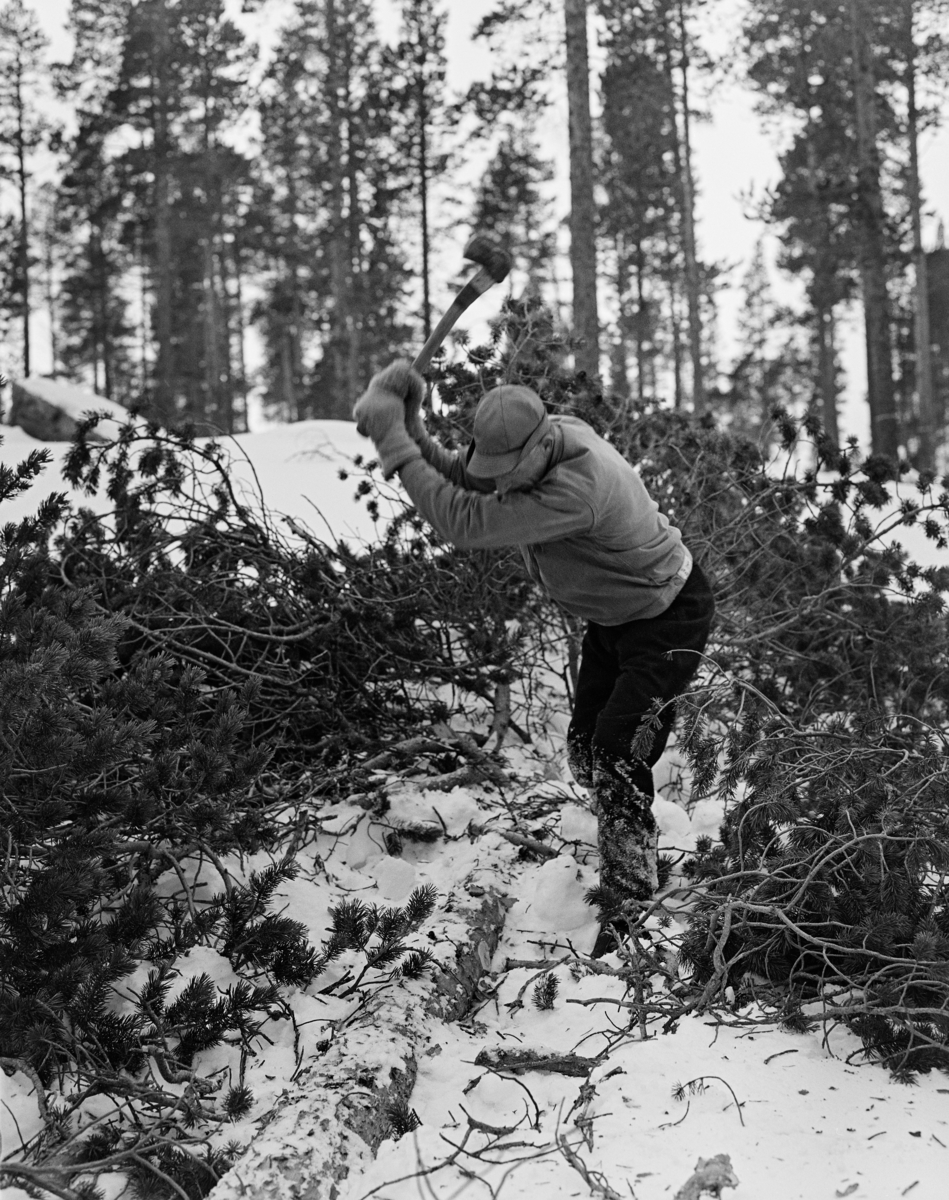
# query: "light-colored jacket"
589,531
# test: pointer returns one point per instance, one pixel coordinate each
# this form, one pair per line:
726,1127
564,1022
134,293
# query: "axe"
494,263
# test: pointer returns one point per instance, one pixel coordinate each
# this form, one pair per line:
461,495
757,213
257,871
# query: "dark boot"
628,843
627,836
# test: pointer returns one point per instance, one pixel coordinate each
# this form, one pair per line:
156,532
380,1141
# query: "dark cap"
508,424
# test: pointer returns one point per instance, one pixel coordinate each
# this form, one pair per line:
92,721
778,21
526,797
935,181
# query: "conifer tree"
96,332
833,67
417,70
510,204
170,72
506,109
648,180
769,372
324,225
22,128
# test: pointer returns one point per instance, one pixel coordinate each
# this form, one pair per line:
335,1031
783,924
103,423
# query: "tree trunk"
423,190
49,286
619,373
143,331
342,399
642,326
354,257
872,252
926,454
291,341
164,284
676,345
102,334
214,415
23,250
822,291
240,328
582,209
692,281
826,371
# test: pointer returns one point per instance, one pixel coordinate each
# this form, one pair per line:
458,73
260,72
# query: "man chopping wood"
595,540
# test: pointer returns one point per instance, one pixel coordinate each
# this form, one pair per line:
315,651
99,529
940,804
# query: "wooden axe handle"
476,286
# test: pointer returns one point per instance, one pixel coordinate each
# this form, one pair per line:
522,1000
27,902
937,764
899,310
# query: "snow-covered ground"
799,1115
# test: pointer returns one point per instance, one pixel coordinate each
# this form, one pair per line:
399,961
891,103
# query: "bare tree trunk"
826,372
164,286
240,327
143,316
582,208
676,345
692,281
214,414
825,327
872,253
291,342
342,399
49,283
354,257
423,190
642,327
23,249
101,321
619,370
926,454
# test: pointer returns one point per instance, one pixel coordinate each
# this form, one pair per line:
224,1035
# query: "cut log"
456,983
333,1118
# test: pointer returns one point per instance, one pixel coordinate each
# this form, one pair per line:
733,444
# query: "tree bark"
826,371
872,251
642,327
619,371
423,191
926,454
161,201
239,325
23,249
341,400
676,345
692,281
582,208
354,257
822,291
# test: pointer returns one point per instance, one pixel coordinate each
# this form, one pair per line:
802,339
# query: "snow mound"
51,409
557,903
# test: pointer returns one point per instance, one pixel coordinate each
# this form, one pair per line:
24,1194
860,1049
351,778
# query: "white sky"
734,154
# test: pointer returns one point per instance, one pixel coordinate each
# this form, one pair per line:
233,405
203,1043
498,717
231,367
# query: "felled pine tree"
107,779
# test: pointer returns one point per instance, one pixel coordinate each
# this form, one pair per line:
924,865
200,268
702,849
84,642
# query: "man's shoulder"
581,440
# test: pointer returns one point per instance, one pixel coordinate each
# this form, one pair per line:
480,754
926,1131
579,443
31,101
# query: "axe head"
491,257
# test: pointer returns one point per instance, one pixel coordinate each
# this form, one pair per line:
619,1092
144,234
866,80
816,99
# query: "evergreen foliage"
545,991
125,764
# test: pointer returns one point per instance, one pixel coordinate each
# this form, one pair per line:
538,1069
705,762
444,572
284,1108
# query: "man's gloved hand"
399,377
380,415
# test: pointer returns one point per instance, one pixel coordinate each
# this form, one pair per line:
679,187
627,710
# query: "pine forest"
211,220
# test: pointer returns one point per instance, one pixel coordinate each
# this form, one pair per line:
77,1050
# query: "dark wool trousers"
623,669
